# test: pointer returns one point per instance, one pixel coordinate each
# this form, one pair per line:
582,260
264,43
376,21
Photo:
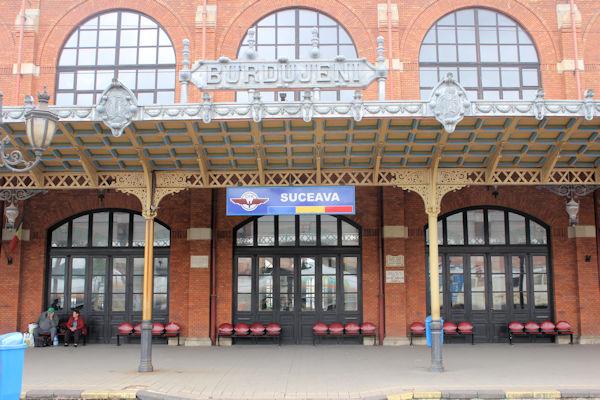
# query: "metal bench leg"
118,341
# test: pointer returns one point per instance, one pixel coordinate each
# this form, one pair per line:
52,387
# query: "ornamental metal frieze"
449,103
117,107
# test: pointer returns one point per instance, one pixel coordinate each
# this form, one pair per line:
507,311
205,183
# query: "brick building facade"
392,221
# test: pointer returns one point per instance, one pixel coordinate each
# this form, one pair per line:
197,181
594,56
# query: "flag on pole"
14,242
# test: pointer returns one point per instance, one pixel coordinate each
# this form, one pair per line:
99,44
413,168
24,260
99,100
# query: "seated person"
75,326
47,324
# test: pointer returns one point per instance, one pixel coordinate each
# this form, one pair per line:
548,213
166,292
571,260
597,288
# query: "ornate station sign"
253,73
226,74
291,200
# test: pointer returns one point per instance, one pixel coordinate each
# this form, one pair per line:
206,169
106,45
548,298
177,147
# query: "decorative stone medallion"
117,107
449,103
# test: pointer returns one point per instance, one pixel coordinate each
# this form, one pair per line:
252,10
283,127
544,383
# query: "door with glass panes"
104,277
313,278
493,268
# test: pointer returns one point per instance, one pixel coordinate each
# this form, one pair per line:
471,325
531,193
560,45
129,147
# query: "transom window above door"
107,229
489,226
300,230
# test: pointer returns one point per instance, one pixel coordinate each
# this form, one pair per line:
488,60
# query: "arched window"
494,267
287,33
490,54
96,261
124,44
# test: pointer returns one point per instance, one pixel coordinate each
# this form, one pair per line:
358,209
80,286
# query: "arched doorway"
96,260
296,270
494,266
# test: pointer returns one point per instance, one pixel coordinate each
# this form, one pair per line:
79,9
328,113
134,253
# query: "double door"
108,289
490,290
296,291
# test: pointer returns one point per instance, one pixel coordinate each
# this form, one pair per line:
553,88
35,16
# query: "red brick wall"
21,285
570,290
575,280
59,18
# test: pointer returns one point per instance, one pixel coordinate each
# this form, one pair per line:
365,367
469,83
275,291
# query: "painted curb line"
497,394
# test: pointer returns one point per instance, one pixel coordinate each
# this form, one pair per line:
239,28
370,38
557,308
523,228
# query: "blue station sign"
291,200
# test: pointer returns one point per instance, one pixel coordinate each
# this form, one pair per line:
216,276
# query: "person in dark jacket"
75,327
47,323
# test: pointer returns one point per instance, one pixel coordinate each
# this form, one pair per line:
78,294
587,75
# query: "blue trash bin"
12,357
428,330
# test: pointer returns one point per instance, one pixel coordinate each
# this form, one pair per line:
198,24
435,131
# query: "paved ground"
345,371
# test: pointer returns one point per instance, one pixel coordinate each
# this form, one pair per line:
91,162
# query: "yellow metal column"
434,293
434,281
146,339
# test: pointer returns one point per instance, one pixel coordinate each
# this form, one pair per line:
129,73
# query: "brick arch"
591,55
254,10
410,42
525,200
52,43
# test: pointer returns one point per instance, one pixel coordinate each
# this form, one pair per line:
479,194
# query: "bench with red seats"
533,330
125,329
416,329
463,328
254,331
338,331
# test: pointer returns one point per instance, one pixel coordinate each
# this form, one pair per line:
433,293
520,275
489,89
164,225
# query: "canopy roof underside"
177,139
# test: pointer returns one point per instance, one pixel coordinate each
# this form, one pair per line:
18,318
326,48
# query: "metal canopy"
363,139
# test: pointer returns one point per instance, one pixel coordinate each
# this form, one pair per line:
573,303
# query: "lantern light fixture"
572,208
40,126
11,212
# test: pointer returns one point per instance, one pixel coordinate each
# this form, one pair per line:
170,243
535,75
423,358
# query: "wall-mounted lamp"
40,125
572,208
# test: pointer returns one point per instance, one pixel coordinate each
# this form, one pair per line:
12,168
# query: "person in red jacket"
75,327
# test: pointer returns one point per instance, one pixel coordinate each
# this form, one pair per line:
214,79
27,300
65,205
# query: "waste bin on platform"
12,357
428,330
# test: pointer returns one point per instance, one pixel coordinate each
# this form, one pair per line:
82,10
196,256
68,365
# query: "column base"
437,364
197,341
584,339
368,341
397,341
146,348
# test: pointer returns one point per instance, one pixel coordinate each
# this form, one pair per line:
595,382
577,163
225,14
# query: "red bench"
338,331
533,330
255,331
416,329
463,328
125,329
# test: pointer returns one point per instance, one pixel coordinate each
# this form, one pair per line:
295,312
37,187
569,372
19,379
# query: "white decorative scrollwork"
358,109
538,105
449,103
588,105
117,107
257,107
206,108
307,107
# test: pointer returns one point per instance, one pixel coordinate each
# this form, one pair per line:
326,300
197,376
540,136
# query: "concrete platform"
321,372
